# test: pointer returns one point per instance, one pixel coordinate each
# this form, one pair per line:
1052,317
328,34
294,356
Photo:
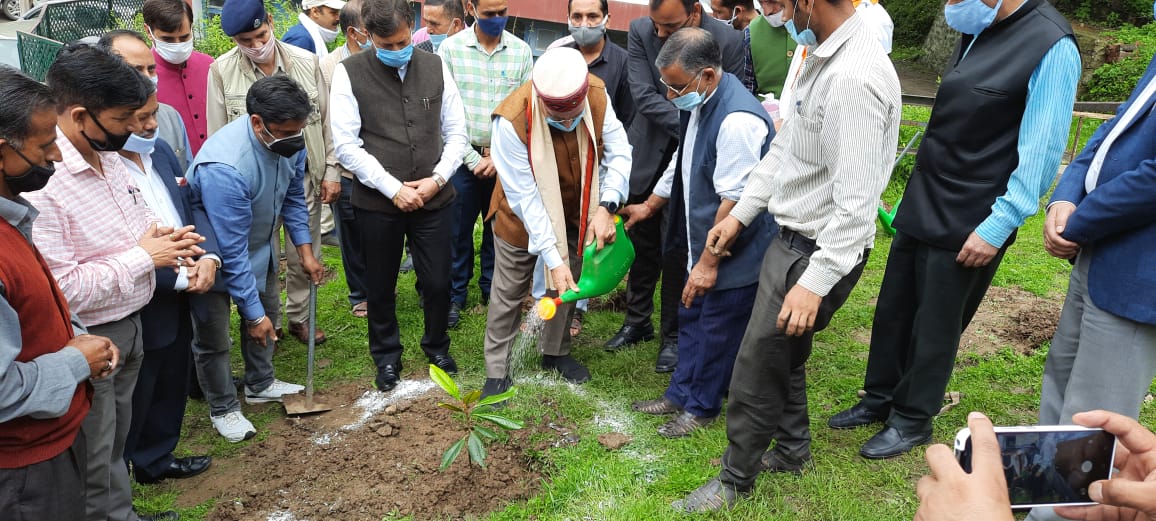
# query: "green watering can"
602,270
886,217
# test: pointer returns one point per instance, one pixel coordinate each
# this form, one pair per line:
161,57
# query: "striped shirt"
828,165
1043,136
88,230
485,79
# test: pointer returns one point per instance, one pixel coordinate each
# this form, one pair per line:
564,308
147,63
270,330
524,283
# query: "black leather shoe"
570,369
167,515
445,363
667,358
387,377
180,468
891,442
455,315
496,386
857,416
630,335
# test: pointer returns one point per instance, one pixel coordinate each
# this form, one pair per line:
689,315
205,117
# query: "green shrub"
913,19
1112,13
1115,81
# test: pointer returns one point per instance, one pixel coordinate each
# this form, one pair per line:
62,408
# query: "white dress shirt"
739,148
512,161
158,199
350,149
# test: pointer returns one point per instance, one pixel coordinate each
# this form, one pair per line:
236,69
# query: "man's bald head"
132,48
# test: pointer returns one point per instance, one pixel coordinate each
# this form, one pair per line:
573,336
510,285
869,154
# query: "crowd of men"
145,192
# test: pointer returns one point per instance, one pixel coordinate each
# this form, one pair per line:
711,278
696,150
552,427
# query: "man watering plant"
549,139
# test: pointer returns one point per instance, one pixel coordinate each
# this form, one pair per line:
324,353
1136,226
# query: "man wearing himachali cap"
549,138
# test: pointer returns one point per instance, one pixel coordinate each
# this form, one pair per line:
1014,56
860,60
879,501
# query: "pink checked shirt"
88,230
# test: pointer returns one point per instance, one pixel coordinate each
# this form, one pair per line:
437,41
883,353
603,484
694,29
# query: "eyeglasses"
676,88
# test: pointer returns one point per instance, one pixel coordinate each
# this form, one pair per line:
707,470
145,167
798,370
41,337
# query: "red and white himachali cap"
560,81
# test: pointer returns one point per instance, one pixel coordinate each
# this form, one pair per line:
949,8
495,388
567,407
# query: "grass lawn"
586,481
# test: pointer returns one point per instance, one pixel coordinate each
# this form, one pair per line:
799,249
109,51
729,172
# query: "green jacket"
771,52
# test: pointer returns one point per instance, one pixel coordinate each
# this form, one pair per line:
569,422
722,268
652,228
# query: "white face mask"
262,54
327,34
174,53
776,20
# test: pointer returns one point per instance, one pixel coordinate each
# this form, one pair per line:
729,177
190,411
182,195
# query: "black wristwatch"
610,206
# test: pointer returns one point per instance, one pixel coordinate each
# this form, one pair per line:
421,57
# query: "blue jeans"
473,200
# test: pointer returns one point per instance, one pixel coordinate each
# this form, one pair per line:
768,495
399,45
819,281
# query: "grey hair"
692,48
20,98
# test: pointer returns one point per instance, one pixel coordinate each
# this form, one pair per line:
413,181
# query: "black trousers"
52,489
158,401
429,233
768,394
649,266
925,303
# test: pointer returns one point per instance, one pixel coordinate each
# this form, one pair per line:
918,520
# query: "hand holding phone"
950,494
1131,493
1048,465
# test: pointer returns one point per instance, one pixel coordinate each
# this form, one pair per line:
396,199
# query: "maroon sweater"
45,327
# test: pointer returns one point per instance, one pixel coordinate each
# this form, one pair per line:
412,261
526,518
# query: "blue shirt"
226,198
1043,137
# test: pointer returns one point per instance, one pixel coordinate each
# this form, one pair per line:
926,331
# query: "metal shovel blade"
296,404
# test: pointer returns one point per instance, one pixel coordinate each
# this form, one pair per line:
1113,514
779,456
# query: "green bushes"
913,19
1112,13
1115,81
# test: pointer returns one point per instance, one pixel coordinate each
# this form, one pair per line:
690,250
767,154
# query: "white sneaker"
273,393
234,426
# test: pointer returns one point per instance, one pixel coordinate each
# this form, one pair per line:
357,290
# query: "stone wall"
939,45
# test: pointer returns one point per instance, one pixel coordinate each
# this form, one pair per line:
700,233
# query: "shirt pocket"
235,106
806,138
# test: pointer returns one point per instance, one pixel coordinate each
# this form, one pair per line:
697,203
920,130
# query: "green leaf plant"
471,410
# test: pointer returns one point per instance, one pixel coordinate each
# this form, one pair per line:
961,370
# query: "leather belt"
797,241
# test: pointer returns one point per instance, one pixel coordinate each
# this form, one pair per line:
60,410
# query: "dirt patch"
1008,317
359,463
1014,318
613,440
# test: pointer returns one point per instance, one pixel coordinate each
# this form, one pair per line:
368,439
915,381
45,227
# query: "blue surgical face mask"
368,43
396,59
492,26
558,124
692,99
806,38
140,145
436,40
970,16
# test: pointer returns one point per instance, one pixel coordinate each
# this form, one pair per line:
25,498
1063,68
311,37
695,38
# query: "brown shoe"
300,331
657,407
683,425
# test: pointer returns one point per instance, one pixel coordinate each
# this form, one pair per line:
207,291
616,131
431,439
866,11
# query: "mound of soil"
1014,318
356,463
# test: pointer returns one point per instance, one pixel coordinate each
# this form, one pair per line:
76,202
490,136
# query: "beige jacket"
230,78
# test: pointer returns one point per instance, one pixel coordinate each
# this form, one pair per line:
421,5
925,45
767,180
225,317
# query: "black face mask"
112,142
32,180
286,147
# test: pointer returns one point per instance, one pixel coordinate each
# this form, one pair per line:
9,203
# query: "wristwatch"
440,181
610,206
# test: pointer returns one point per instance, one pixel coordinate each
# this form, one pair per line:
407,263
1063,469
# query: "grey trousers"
768,394
1097,361
212,344
296,281
513,275
108,493
52,489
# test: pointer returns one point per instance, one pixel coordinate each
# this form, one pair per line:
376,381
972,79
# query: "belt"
797,241
484,151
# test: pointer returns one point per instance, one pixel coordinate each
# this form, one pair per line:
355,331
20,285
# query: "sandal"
360,310
576,323
683,424
713,496
657,407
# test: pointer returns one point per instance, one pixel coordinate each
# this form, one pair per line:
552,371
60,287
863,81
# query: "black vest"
969,152
400,123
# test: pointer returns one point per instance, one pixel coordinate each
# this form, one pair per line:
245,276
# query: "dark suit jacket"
1116,223
299,36
161,317
654,130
